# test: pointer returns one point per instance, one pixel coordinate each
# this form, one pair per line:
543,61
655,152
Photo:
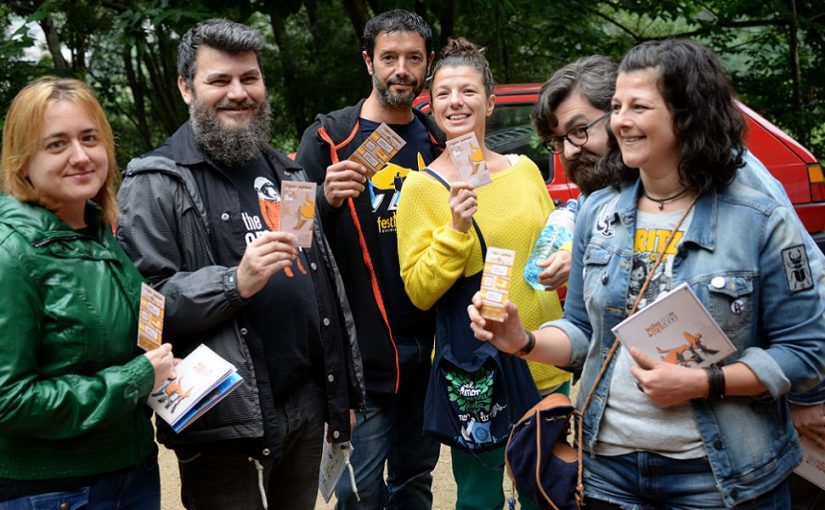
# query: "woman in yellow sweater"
437,244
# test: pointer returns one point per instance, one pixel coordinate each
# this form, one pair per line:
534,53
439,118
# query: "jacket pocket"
595,272
729,299
71,500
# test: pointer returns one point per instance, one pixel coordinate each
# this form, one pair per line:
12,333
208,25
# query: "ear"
185,91
367,61
430,60
491,104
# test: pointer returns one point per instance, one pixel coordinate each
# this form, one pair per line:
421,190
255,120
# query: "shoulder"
338,123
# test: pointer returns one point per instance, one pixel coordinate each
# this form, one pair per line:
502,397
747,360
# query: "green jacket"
73,384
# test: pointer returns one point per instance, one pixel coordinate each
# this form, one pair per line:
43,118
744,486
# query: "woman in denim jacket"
662,435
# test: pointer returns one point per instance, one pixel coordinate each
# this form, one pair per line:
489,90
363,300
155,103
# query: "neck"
72,216
376,111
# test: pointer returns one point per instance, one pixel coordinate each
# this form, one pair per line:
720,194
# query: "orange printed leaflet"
378,149
150,322
298,211
466,153
495,282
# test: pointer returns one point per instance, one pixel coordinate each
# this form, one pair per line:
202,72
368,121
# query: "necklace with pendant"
663,201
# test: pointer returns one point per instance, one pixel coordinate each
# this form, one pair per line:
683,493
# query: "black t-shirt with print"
384,190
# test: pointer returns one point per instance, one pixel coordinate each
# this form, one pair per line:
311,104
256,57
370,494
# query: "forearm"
552,347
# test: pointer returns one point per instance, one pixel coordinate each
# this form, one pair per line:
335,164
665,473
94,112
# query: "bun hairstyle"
461,52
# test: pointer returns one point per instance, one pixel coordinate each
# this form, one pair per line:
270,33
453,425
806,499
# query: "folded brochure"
676,328
203,379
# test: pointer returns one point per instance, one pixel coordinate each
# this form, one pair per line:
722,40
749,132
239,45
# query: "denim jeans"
133,489
221,481
647,481
393,433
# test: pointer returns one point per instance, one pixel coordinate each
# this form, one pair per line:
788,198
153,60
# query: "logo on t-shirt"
385,191
646,247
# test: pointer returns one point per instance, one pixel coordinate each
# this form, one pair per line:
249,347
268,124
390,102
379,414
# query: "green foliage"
774,51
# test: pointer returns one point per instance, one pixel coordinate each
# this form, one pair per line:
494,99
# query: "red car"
510,131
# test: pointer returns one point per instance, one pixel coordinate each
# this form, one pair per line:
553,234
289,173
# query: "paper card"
376,151
333,462
468,158
298,211
495,282
678,329
150,318
813,463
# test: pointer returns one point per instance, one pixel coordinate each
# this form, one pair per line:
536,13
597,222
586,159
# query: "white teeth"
457,117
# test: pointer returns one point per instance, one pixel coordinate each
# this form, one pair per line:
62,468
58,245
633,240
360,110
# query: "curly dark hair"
709,127
461,52
396,20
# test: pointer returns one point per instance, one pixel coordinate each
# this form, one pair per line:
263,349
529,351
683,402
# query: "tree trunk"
796,73
358,15
294,98
53,43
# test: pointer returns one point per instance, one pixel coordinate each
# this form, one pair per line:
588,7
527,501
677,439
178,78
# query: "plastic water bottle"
556,232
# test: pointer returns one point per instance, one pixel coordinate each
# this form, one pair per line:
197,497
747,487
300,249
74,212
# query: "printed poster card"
678,329
298,211
333,462
376,151
813,463
150,318
204,379
495,282
468,158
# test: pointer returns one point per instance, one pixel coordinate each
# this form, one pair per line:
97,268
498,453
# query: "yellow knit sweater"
511,213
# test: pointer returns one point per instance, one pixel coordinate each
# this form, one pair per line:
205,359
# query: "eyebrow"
60,134
574,120
218,75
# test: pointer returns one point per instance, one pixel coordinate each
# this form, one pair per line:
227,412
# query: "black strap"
440,179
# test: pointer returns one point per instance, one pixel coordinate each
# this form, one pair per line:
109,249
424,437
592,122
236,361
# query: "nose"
570,150
401,70
455,98
236,91
78,156
618,119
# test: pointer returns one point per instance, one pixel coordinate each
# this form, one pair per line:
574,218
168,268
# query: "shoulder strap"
444,183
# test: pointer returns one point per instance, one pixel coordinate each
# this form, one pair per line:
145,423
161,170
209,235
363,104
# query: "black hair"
220,34
396,20
461,52
709,127
594,77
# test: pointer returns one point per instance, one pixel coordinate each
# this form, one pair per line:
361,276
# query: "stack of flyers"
378,149
468,158
150,321
495,282
298,211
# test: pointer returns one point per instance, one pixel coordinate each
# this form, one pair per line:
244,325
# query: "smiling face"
229,85
459,103
70,164
398,67
643,124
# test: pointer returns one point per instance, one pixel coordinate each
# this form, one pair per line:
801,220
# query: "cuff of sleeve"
813,397
141,376
230,287
767,370
579,343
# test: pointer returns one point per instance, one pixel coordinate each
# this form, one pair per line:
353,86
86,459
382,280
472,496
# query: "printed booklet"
676,328
203,380
813,463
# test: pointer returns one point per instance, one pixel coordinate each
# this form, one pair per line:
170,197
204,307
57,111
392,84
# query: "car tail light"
817,182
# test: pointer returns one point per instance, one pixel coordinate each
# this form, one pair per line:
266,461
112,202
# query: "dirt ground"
443,484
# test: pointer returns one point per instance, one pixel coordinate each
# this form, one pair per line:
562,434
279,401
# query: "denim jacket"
769,306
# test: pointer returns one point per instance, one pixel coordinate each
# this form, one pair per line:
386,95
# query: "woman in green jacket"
75,430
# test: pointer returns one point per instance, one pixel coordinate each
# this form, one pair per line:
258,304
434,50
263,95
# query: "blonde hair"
21,136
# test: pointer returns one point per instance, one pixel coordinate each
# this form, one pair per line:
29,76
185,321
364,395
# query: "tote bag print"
471,396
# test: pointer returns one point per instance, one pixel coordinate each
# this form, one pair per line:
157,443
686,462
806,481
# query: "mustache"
227,104
402,81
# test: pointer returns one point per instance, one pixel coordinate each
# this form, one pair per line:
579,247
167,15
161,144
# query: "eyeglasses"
576,136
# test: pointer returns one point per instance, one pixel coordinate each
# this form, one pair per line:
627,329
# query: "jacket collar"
37,224
702,228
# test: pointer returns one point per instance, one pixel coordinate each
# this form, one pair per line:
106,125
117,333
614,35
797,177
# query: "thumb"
642,359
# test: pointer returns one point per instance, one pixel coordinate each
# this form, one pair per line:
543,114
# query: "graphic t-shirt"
384,191
631,421
284,314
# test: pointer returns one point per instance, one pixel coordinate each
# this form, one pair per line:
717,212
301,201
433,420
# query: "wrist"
529,345
715,382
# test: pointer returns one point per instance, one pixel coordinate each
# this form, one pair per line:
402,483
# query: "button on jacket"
735,251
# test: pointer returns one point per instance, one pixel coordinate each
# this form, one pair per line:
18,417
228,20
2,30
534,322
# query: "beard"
231,146
392,100
584,172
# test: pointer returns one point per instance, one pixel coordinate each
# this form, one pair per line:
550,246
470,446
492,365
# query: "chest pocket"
595,268
729,298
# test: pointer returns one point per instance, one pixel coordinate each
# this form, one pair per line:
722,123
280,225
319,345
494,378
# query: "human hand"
667,384
463,204
556,269
163,362
810,422
507,336
265,256
343,180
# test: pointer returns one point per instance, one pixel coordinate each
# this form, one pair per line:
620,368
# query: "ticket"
377,150
495,282
298,211
150,318
468,158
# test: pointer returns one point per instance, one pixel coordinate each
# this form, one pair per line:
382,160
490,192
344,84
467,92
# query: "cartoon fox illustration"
694,347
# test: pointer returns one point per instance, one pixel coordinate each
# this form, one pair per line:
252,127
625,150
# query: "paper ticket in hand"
150,318
378,149
334,459
298,211
495,282
468,158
